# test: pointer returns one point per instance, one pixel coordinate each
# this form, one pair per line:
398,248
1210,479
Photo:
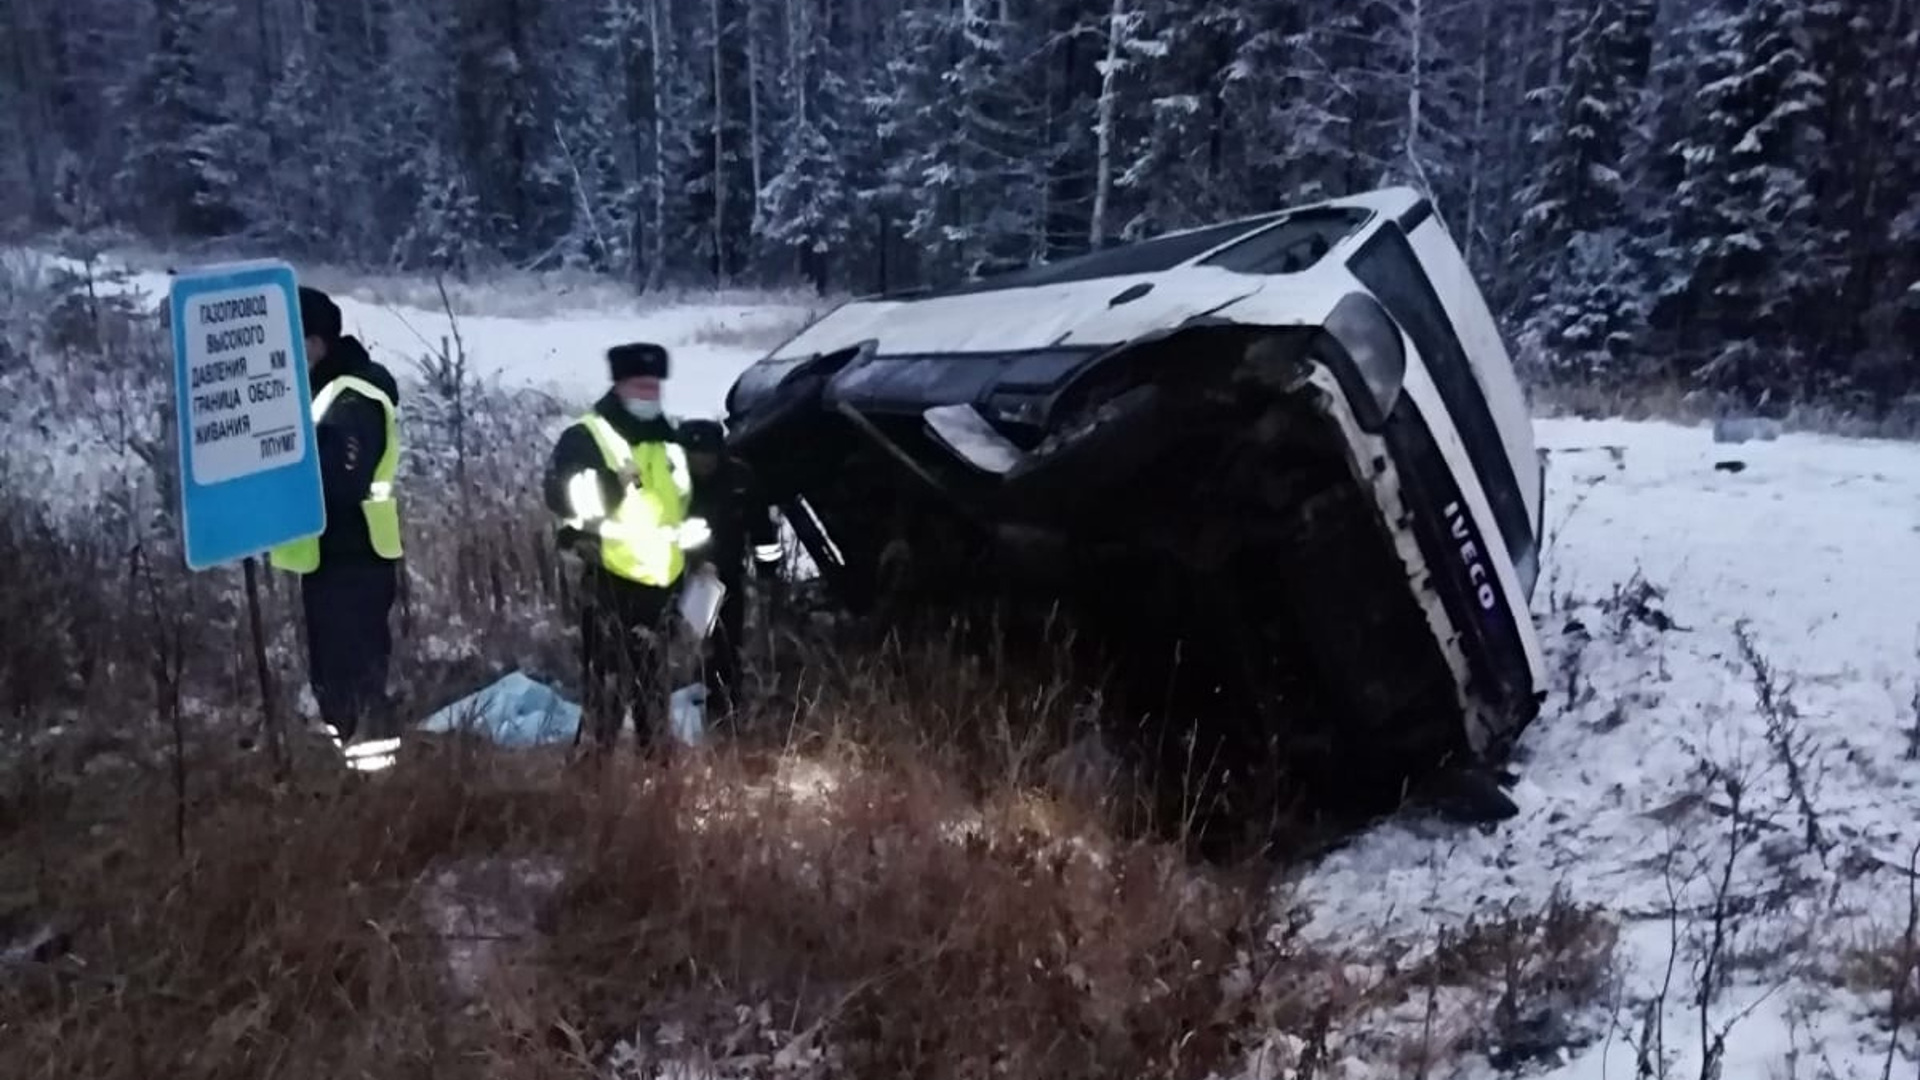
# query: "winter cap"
703,436
319,315
637,359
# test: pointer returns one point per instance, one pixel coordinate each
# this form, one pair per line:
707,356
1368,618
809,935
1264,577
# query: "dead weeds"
470,913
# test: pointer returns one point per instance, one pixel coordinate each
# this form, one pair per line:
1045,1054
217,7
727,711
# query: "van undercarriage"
1210,542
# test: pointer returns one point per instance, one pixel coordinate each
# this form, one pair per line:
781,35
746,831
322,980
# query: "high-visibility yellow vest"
381,511
640,540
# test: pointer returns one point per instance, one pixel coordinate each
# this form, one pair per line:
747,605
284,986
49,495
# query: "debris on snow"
520,712
515,711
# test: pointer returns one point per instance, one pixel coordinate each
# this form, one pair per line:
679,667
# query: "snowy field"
1728,753
558,351
561,350
1814,548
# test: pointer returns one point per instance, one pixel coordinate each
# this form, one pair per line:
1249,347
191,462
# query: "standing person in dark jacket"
618,482
349,574
724,494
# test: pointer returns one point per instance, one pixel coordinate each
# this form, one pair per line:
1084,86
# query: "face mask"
641,409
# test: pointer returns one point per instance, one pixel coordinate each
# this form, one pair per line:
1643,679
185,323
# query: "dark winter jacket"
351,438
576,450
737,515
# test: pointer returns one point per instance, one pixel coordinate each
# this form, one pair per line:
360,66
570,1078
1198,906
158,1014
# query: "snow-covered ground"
1814,547
561,350
565,353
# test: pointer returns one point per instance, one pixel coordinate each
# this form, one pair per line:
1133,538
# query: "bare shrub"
1793,749
1637,602
1913,737
1890,969
1527,976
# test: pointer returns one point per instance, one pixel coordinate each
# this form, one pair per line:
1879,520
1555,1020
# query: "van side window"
1291,246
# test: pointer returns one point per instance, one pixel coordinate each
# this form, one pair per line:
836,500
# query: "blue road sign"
249,468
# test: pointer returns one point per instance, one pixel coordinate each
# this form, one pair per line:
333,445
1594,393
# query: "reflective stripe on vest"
641,542
381,511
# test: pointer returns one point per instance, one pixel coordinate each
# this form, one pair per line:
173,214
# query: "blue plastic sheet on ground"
521,712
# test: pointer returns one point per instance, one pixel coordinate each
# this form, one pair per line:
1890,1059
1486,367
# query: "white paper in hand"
694,534
700,598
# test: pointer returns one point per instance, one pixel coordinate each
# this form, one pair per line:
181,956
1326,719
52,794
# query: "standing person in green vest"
617,480
349,574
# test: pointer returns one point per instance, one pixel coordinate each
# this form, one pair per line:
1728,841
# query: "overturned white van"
1282,463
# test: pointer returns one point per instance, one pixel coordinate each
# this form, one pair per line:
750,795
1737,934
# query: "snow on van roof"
1104,311
1269,269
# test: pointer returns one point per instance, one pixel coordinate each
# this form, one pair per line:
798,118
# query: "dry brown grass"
1888,972
290,939
849,911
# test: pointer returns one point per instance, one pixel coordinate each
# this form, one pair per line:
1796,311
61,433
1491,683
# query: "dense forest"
1719,194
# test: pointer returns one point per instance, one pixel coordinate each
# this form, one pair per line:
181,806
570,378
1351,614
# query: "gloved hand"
616,529
694,534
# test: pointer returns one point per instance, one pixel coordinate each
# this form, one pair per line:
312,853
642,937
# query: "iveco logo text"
1470,555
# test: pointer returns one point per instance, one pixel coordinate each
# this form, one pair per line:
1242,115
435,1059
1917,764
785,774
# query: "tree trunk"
263,32
1103,150
1416,86
753,112
799,56
656,10
719,152
31,111
1470,242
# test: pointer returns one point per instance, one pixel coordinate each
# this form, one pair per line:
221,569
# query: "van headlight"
1377,355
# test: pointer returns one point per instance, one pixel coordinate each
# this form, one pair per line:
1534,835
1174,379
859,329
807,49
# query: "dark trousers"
349,643
622,657
723,648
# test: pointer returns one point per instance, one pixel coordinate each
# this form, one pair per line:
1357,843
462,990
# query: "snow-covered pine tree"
1893,317
588,158
806,207
445,230
290,198
1581,186
389,138
961,114
1589,293
983,132
501,105
1173,174
1744,250
26,176
1866,52
1290,136
176,178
